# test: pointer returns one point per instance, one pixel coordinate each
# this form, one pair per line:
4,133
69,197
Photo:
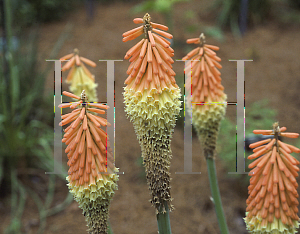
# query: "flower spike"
207,98
79,76
92,179
272,205
152,103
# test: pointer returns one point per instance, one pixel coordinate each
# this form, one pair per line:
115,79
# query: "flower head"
207,96
272,205
152,102
91,174
79,76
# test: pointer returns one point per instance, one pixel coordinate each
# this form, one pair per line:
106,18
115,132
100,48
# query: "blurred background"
34,31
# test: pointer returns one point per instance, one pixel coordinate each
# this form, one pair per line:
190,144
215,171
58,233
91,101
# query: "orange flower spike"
150,90
84,143
79,77
273,182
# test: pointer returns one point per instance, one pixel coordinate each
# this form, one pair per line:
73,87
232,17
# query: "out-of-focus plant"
28,12
232,12
26,135
79,77
258,114
287,11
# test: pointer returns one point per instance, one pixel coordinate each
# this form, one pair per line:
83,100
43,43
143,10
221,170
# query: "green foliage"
294,3
26,131
25,135
257,116
214,32
161,6
228,12
28,12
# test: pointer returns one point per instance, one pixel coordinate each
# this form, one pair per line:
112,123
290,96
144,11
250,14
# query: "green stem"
213,181
163,221
109,229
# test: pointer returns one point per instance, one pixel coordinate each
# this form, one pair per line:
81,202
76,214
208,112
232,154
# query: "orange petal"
88,62
160,40
193,41
81,144
149,53
138,21
71,95
162,33
269,146
96,110
212,47
160,26
290,134
132,31
84,124
283,145
134,49
79,133
133,36
77,60
99,105
151,38
67,57
264,132
143,50
68,64
274,152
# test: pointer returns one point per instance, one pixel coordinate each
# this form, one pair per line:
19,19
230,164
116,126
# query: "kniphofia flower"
79,76
272,205
207,98
91,178
152,102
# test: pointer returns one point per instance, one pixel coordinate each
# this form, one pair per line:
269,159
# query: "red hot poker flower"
272,205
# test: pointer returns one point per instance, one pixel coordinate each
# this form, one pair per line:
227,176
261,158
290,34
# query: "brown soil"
273,75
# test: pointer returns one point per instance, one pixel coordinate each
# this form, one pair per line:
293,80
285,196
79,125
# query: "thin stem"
213,181
109,229
163,221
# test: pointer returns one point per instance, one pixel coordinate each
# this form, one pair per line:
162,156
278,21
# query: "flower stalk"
92,180
207,103
272,205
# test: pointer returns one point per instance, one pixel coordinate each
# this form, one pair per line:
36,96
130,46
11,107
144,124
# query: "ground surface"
274,74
